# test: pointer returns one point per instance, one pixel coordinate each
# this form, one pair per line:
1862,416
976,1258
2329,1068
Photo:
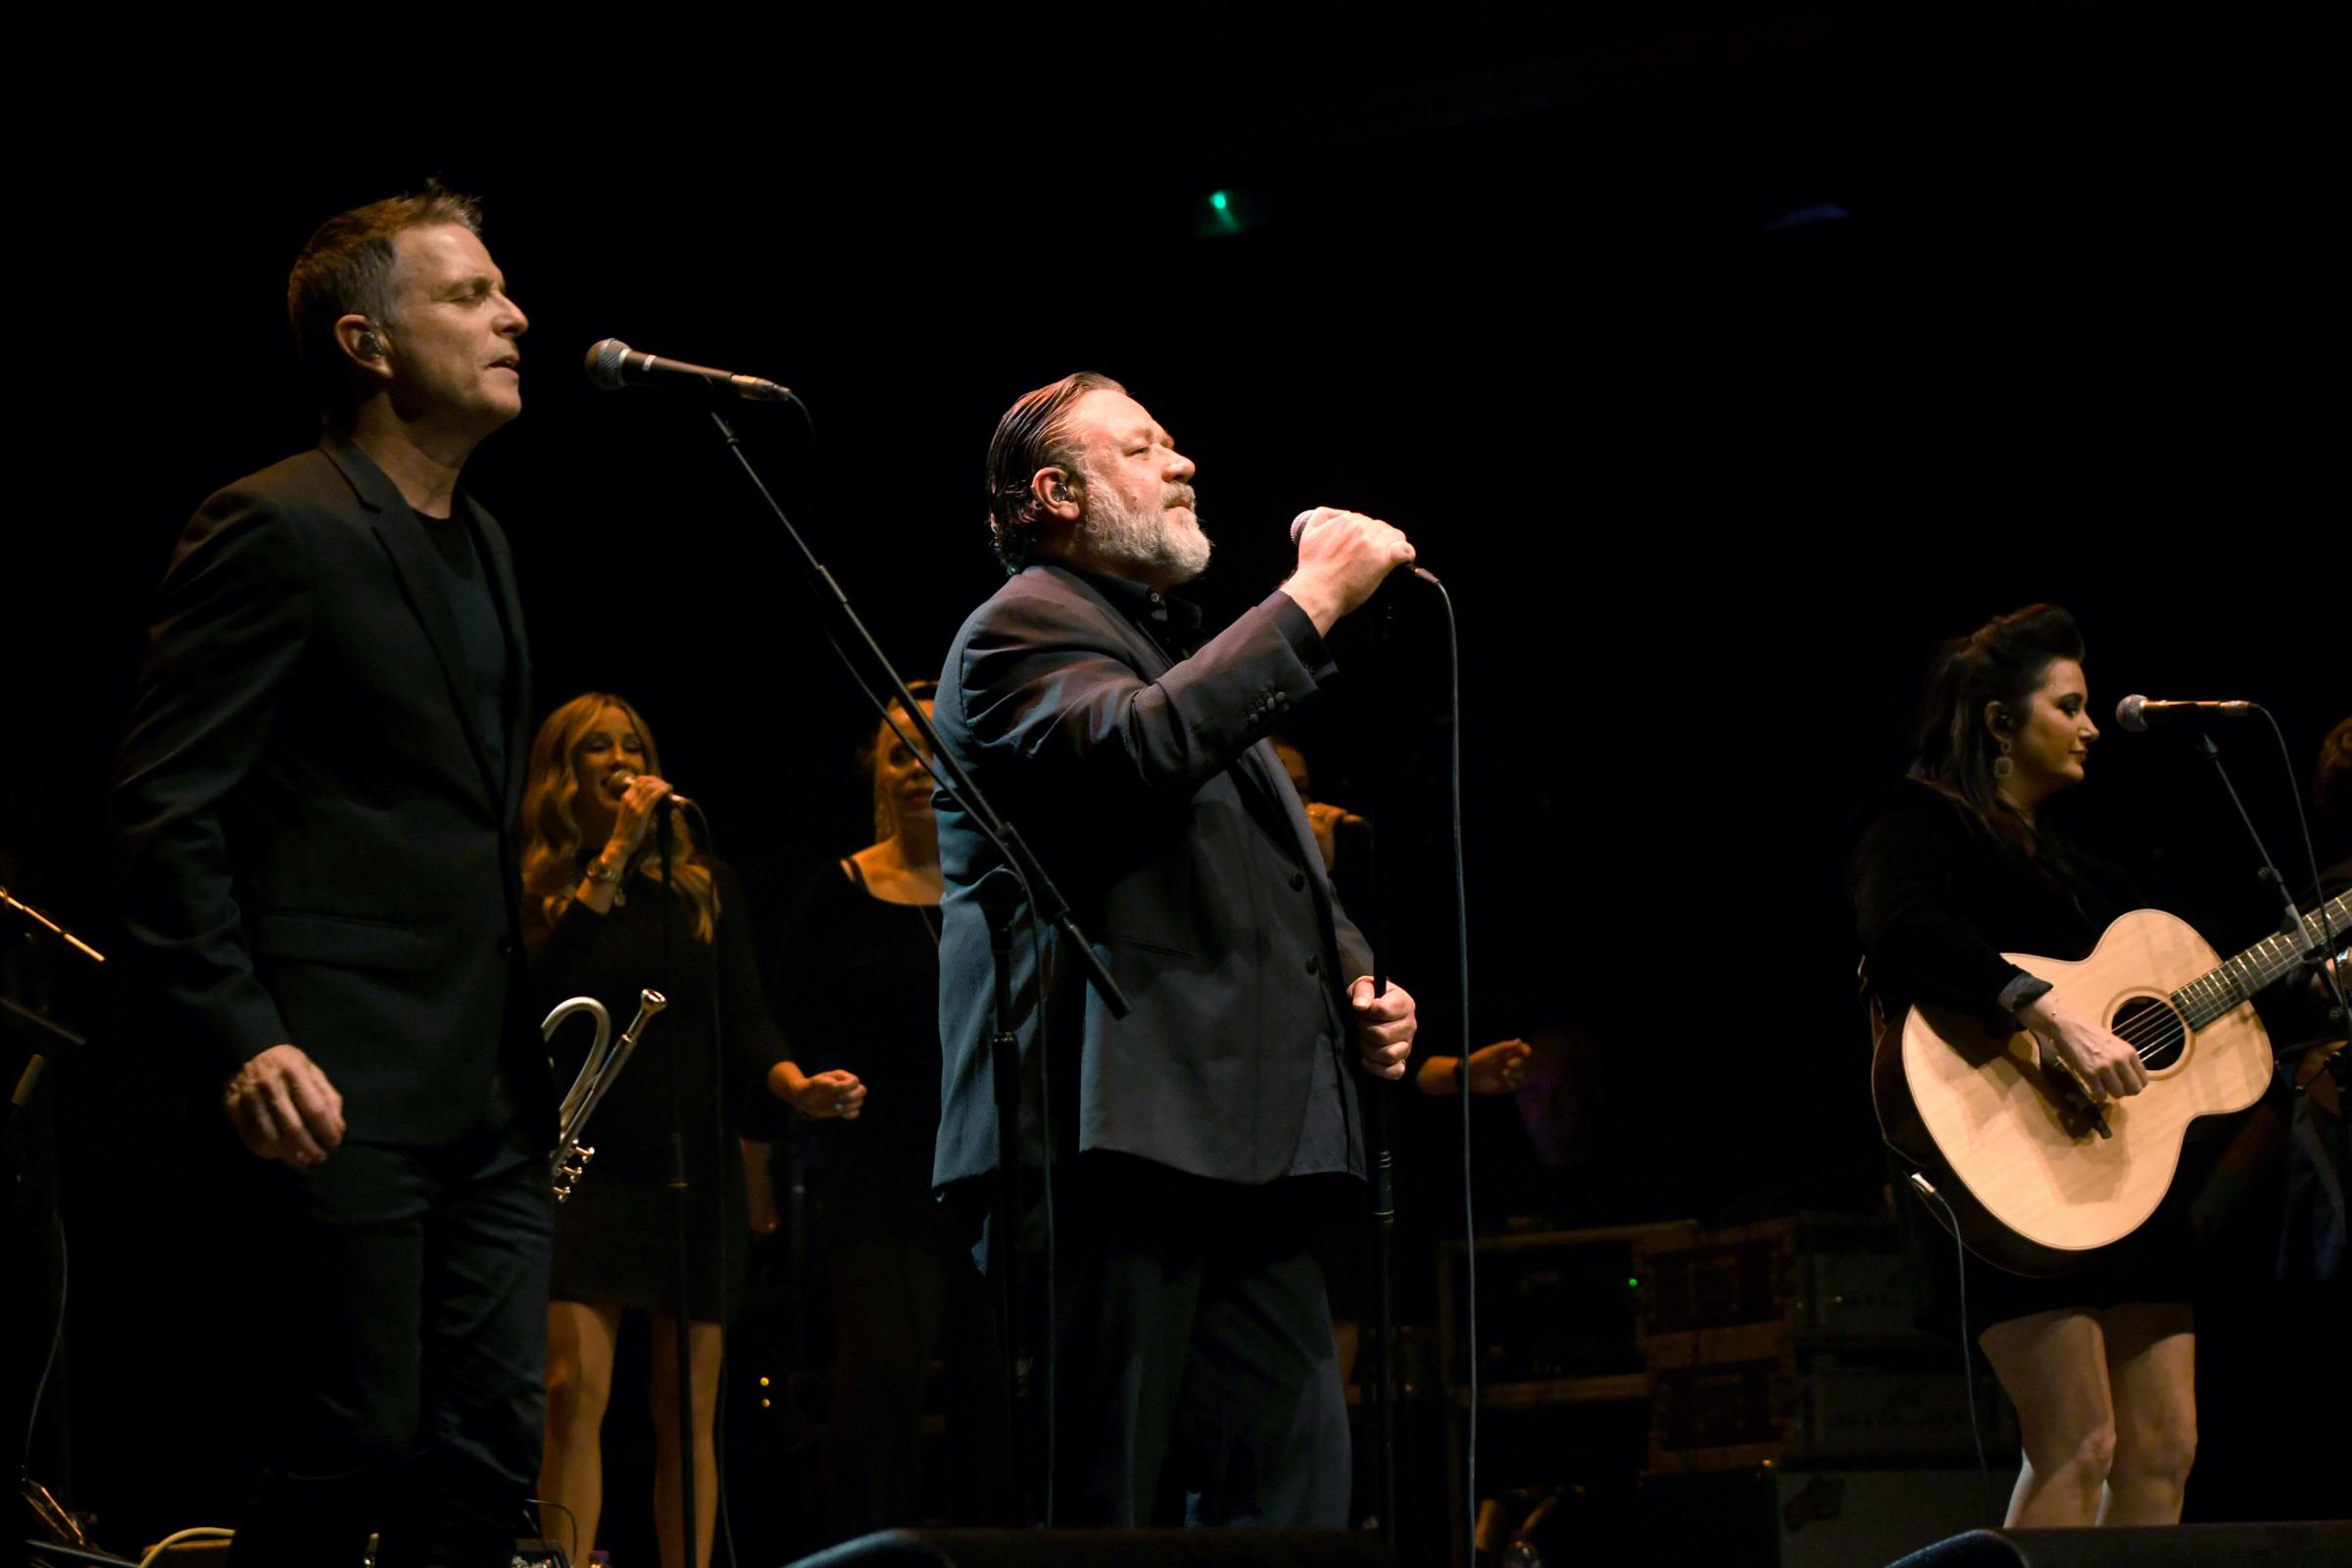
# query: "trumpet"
606,1057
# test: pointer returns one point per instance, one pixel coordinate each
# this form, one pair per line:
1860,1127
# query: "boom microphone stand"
2291,923
882,684
46,1034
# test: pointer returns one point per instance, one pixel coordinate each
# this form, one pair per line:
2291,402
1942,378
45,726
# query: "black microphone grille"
603,362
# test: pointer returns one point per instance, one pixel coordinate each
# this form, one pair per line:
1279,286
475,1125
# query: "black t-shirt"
481,635
858,988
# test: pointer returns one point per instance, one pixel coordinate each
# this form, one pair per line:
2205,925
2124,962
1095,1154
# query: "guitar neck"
2265,963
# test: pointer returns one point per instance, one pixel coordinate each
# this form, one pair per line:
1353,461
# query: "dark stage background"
1722,359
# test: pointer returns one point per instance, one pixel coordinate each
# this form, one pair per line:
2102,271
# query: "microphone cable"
725,1531
1462,958
1968,1360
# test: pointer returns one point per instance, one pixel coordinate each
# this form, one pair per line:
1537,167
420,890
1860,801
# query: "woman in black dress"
862,950
1952,868
596,922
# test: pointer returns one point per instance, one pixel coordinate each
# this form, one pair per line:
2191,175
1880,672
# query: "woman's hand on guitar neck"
2106,1064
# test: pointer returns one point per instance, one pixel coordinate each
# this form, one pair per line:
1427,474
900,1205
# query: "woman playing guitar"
1951,869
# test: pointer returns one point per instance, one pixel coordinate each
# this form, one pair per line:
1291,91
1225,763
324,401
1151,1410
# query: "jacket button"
1314,964
1297,881
506,947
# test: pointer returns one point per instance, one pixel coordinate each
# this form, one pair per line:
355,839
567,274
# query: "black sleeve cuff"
1298,629
2022,991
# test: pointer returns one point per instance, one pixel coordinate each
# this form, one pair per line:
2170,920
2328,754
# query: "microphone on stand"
1298,527
2136,714
613,365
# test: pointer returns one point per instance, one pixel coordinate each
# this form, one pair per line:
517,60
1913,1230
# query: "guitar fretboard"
2215,991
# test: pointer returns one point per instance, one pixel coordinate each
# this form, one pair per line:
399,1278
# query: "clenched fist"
1343,556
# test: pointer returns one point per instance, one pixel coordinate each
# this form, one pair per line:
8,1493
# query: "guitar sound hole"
2154,1029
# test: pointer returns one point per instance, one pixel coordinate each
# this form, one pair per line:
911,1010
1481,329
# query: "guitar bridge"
2078,1110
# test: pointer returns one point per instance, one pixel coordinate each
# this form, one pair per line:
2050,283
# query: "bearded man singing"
1198,1139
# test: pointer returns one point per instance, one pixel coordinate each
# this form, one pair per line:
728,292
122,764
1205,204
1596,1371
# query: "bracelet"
599,872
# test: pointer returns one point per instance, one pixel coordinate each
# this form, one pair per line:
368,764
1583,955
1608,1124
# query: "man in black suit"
313,801
1198,1138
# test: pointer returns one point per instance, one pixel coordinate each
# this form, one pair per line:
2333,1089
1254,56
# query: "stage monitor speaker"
1107,1548
2313,1545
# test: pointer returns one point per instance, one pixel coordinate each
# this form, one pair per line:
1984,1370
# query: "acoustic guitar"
2038,1172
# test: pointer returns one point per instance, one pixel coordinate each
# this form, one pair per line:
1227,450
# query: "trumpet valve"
570,1168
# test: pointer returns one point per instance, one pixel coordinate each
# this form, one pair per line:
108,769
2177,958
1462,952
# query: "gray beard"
1148,543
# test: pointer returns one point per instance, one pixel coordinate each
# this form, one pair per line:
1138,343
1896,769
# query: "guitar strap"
1868,996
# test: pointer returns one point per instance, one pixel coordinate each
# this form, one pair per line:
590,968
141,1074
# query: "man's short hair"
1034,434
345,270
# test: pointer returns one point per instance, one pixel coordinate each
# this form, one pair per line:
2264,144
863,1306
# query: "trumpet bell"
606,1057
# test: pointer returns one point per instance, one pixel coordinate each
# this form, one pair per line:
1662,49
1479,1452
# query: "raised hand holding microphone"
1343,556
640,795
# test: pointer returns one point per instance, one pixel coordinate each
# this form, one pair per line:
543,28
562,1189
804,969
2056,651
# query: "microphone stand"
1046,903
28,1144
2290,924
1382,1097
681,1191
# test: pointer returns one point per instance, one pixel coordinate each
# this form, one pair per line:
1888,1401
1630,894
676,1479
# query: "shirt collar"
1161,614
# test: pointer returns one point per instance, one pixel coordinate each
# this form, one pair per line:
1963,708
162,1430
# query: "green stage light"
1221,213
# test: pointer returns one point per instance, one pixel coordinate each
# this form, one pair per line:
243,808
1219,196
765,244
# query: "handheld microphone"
613,364
668,803
1298,527
2136,712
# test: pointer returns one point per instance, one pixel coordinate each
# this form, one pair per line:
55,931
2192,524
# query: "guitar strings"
2152,1031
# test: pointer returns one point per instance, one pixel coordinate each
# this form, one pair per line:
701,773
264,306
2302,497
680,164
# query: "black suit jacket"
313,846
1136,780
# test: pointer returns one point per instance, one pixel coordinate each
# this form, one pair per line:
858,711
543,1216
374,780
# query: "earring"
2001,763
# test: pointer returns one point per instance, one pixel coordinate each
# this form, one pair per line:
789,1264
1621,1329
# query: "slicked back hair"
2004,660
1034,434
345,270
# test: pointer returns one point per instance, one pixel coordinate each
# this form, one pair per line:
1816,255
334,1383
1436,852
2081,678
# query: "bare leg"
2152,1365
704,1345
2054,1367
579,1384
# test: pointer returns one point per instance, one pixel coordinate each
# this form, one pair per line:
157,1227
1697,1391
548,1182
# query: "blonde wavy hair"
552,857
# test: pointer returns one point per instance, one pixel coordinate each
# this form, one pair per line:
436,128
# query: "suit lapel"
402,534
1254,771
1263,765
1257,772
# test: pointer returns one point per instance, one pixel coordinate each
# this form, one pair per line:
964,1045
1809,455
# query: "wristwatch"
599,872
